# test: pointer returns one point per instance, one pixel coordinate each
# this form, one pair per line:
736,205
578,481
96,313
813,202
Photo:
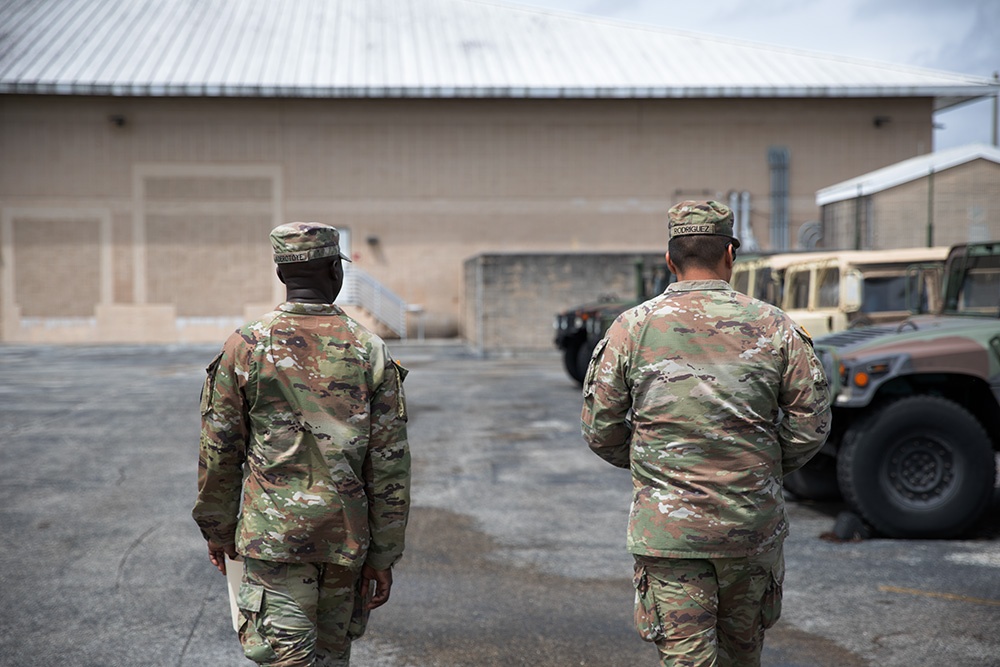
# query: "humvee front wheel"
571,360
586,352
816,480
921,467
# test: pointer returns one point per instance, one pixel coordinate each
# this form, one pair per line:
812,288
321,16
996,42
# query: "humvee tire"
816,480
571,360
920,467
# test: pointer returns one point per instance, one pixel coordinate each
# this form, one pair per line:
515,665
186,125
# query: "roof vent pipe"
748,240
739,202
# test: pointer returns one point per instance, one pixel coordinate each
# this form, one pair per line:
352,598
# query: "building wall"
959,205
512,298
157,210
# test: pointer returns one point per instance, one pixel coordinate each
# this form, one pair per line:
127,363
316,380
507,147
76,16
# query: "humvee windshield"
974,282
766,287
891,293
798,286
884,293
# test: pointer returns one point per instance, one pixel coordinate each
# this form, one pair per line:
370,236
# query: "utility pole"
996,111
930,208
858,201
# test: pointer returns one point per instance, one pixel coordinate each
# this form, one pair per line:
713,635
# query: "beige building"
942,198
138,182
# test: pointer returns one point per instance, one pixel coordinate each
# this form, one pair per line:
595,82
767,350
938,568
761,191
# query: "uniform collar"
698,285
299,308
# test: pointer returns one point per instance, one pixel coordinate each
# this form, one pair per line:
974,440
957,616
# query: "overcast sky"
960,36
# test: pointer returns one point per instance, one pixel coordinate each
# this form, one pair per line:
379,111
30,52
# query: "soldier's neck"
309,295
723,271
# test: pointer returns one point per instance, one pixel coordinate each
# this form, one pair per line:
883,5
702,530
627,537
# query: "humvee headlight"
859,381
863,376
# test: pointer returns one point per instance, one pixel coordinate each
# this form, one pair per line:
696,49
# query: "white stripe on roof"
906,171
412,48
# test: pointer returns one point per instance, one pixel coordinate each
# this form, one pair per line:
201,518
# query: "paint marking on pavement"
943,596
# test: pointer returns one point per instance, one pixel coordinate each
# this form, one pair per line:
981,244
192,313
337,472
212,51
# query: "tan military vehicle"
835,290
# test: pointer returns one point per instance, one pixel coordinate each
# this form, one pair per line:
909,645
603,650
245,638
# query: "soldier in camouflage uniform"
305,468
709,397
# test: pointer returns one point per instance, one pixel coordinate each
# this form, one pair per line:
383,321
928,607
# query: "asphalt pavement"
515,549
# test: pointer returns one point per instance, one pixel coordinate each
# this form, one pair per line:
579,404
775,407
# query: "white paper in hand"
234,576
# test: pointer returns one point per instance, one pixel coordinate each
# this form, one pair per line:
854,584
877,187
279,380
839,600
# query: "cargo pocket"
770,610
255,644
647,617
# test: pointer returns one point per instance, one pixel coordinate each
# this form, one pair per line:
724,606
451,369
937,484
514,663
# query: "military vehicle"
579,329
830,291
916,418
823,291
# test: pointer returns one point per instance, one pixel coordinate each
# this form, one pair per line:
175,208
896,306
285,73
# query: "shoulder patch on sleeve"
590,375
801,330
209,386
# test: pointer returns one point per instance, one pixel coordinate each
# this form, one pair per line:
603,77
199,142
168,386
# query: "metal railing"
360,289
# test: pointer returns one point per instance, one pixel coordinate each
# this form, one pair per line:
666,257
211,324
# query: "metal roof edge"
420,49
151,89
905,172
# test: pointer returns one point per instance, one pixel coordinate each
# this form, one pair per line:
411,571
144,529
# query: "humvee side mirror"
852,291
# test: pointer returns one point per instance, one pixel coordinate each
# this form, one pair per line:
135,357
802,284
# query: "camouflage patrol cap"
302,241
701,217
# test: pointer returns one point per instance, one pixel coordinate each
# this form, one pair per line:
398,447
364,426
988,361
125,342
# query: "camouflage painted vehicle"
916,422
579,329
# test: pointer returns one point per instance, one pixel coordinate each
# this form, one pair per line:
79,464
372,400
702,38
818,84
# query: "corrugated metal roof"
906,171
411,48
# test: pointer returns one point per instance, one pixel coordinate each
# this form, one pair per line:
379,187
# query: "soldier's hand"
383,584
217,554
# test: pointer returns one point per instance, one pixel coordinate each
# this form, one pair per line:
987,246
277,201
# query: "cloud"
764,10
618,8
958,35
978,50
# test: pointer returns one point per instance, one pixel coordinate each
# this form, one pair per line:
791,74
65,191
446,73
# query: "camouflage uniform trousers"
708,613
299,614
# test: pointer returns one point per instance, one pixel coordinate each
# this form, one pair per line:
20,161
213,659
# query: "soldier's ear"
670,265
277,270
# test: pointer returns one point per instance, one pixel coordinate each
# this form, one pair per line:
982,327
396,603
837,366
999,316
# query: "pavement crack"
131,547
190,636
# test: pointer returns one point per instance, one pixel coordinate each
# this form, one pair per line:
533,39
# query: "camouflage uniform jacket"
304,411
710,397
